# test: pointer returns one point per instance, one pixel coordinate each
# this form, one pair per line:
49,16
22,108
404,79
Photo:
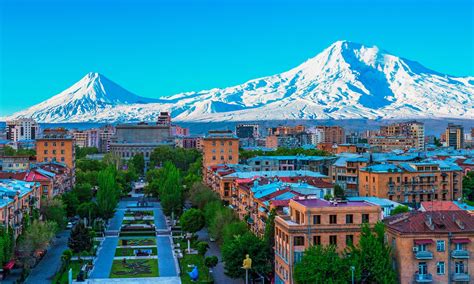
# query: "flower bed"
137,242
131,251
133,268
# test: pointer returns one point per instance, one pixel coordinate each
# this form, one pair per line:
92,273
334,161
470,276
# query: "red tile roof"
442,222
12,175
439,206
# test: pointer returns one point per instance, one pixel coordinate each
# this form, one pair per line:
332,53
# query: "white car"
69,225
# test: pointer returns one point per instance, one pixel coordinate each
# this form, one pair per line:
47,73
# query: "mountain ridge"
346,80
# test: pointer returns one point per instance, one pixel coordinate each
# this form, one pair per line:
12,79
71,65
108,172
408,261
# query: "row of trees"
370,258
233,235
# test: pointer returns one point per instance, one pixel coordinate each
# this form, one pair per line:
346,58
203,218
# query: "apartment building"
56,145
310,222
345,172
409,129
287,163
413,182
455,136
333,134
17,198
22,129
432,246
248,130
390,143
15,163
220,147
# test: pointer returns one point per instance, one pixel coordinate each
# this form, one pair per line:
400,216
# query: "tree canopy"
192,220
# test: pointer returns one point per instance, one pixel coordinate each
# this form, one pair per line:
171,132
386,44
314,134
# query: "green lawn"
134,268
63,278
129,251
127,222
196,260
144,213
138,242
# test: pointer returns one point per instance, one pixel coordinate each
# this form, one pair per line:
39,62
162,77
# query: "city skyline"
153,53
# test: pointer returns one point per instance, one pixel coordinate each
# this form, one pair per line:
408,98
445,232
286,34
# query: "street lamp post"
352,272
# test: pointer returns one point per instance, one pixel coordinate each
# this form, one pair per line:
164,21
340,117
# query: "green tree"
83,192
170,190
234,251
202,248
321,265
88,210
200,195
437,142
192,220
339,191
211,262
234,229
138,163
54,210
399,209
221,218
328,196
210,210
37,237
269,236
468,186
71,202
371,257
107,195
82,152
80,238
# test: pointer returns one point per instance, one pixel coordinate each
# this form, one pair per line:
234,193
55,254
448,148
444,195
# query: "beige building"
432,247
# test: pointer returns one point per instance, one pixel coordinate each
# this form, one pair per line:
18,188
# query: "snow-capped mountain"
346,80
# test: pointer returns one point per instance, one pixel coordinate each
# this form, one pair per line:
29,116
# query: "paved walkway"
166,262
218,271
49,265
103,265
160,221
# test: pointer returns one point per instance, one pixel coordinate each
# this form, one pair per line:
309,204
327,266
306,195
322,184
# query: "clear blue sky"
155,48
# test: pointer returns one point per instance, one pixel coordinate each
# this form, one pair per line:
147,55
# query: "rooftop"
441,222
320,203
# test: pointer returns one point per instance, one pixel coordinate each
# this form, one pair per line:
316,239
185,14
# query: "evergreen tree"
107,195
80,238
269,236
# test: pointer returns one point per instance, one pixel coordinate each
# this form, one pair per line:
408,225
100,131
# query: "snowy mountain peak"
346,80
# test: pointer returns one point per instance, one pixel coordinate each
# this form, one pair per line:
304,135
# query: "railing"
423,278
460,277
424,254
460,253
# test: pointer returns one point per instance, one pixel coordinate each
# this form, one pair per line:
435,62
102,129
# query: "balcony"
423,278
461,253
462,277
424,254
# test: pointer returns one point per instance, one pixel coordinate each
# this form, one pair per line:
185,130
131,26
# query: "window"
316,219
213,143
440,245
459,247
365,218
222,158
45,144
349,240
222,143
45,159
230,143
62,143
316,240
45,152
54,151
440,267
422,268
332,219
230,157
459,267
62,152
62,159
333,240
349,219
298,241
213,158
54,143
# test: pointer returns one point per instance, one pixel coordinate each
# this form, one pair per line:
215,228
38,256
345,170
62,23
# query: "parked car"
69,225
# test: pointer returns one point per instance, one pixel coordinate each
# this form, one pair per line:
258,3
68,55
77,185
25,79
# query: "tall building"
164,118
333,134
409,130
432,247
141,138
80,138
22,129
220,147
56,145
105,137
247,130
309,222
455,136
317,135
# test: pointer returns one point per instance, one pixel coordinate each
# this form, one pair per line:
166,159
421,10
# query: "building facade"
311,222
220,147
22,129
432,247
455,136
56,145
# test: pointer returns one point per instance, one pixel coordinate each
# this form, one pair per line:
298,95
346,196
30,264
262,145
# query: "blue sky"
155,48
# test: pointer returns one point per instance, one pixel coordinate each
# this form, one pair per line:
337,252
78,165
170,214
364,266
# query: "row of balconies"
426,254
428,278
